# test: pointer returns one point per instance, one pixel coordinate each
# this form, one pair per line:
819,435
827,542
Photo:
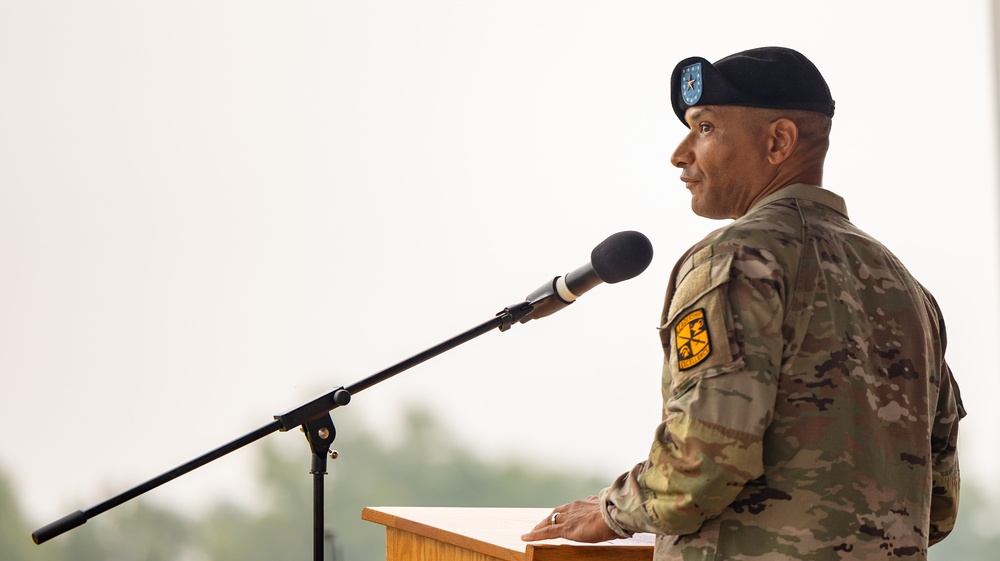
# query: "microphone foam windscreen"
621,256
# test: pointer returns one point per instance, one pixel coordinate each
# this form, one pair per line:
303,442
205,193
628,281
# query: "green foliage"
423,468
136,530
14,542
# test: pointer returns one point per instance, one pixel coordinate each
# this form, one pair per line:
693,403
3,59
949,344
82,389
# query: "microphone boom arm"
315,412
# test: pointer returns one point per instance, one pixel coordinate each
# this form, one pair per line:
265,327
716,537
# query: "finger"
545,528
545,521
547,532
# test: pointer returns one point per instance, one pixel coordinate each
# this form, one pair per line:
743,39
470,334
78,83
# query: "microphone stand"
316,422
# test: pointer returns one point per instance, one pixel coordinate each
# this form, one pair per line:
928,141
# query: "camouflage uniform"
809,413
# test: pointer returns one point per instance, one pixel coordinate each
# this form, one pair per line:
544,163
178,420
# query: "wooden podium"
488,534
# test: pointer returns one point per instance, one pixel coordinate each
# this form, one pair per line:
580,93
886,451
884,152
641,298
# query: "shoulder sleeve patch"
692,339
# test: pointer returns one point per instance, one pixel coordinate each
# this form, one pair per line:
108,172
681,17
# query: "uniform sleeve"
723,342
944,447
945,475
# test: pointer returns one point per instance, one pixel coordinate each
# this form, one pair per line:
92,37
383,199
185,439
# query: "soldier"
808,411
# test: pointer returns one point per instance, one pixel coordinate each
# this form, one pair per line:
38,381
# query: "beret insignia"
691,83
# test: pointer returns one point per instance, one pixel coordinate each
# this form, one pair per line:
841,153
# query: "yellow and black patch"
693,341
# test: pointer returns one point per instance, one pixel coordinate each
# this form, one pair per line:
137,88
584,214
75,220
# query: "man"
808,411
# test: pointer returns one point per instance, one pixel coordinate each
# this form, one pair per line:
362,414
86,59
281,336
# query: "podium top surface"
497,532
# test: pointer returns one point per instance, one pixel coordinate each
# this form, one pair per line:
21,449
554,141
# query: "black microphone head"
621,256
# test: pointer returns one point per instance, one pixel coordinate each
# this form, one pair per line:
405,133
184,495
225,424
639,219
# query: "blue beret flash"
691,83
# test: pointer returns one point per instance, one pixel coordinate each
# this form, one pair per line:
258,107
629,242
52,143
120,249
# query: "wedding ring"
553,519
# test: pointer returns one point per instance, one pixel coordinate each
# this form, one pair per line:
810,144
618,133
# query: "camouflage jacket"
808,410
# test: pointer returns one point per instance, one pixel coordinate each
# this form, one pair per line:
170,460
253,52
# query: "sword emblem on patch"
693,345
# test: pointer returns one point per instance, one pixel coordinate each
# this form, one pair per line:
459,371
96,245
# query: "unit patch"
693,344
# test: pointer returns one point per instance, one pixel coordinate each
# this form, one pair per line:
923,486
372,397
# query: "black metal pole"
320,433
318,505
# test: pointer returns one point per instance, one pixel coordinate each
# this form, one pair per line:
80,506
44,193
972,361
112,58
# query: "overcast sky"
211,212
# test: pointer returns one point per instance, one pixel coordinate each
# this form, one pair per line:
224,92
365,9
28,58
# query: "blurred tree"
15,545
424,468
281,528
137,530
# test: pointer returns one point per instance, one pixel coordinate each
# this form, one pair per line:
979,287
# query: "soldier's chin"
698,207
710,207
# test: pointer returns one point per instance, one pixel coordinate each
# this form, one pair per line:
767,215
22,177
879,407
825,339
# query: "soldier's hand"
579,521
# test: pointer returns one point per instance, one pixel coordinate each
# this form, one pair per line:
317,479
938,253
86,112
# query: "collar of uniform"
809,192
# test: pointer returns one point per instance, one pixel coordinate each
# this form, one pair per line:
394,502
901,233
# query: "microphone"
620,257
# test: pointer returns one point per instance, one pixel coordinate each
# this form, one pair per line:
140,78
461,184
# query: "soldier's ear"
783,136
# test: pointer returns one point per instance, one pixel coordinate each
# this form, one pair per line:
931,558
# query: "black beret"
768,77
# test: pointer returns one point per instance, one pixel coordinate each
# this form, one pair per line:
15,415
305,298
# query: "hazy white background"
211,212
